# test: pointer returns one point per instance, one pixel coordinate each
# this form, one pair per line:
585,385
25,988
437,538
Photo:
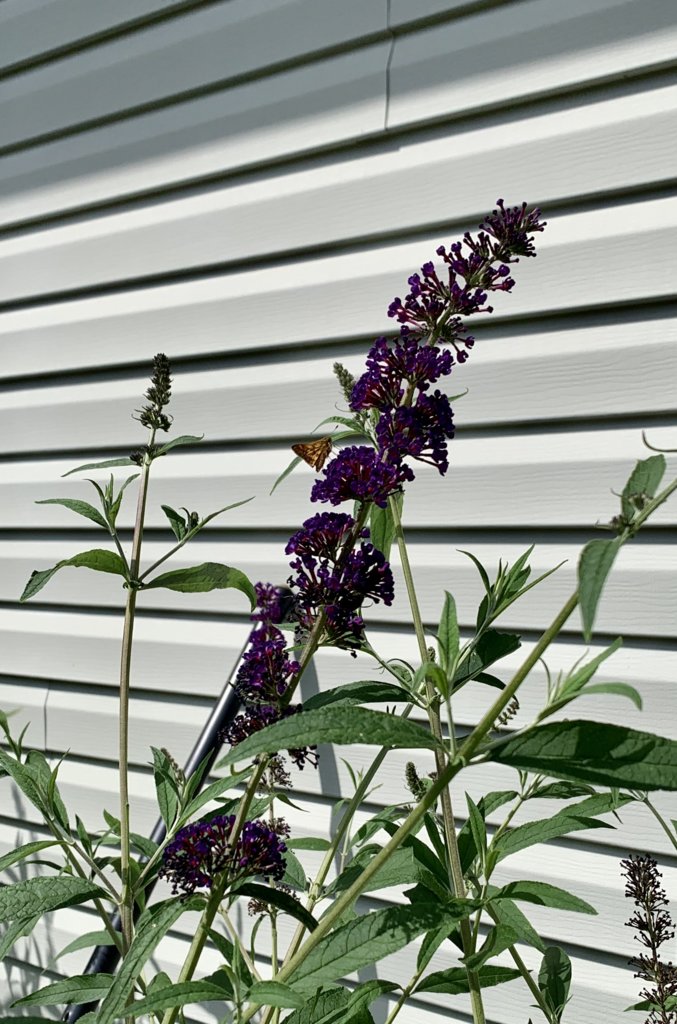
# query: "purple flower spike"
200,852
390,366
420,431
358,474
265,671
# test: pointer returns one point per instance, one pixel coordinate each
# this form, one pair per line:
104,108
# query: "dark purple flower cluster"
413,423
200,852
263,679
335,577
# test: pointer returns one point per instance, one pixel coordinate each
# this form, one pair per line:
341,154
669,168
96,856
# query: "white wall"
244,185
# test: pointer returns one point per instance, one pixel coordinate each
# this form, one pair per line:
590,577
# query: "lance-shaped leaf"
108,464
382,525
176,521
370,938
454,981
27,850
501,937
98,559
82,508
277,898
201,578
596,752
344,725
36,896
577,681
574,818
554,979
166,786
99,938
183,993
403,868
177,441
448,636
275,993
83,988
322,1008
642,483
366,691
594,566
508,913
543,894
155,923
491,647
14,931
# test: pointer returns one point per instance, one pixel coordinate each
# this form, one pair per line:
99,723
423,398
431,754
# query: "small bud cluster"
157,396
654,928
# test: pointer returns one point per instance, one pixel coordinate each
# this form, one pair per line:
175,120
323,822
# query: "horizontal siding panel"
212,45
540,375
565,479
525,50
348,293
640,597
555,158
32,28
24,701
332,100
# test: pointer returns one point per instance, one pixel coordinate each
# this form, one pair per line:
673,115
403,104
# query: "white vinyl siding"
245,185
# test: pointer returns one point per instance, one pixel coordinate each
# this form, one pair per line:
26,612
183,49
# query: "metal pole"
105,959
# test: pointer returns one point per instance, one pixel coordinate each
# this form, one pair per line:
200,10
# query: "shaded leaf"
82,508
500,938
343,725
101,938
621,689
594,566
595,752
16,930
83,988
491,647
543,894
308,843
176,521
643,481
167,997
366,691
508,913
382,525
402,868
202,578
448,635
27,850
554,979
454,981
277,898
274,993
98,559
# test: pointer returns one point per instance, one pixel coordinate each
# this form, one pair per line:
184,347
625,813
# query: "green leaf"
27,850
545,895
84,988
484,576
308,843
448,635
36,896
109,463
577,681
294,874
492,646
368,939
166,788
25,779
596,752
477,827
285,473
277,898
201,578
114,506
554,979
532,832
182,993
594,565
16,930
322,1008
500,938
226,508
402,868
153,924
489,803
508,913
274,993
644,480
83,508
563,790
343,725
98,559
622,689
366,691
211,792
176,521
454,981
184,439
431,943
382,525
101,938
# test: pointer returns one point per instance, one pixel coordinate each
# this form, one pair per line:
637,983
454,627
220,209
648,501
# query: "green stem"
232,931
661,821
127,894
455,868
406,992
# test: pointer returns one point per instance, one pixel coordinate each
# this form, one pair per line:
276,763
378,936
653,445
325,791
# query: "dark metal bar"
105,959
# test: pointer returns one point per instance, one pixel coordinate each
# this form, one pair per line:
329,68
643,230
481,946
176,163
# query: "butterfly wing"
314,453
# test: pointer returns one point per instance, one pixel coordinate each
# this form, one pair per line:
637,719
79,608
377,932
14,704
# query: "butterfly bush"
399,416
